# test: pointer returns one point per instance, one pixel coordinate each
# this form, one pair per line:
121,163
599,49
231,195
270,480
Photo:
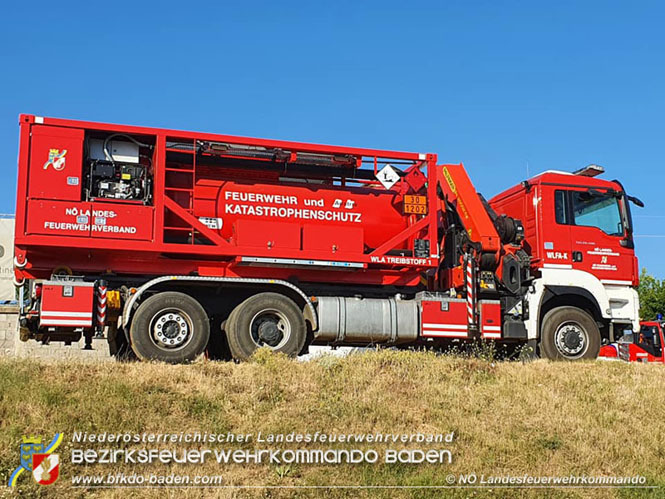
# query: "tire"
119,347
266,319
218,345
170,327
569,333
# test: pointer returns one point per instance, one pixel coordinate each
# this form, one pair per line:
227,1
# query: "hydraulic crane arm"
459,193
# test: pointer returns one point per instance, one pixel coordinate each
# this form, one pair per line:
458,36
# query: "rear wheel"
569,333
171,327
266,320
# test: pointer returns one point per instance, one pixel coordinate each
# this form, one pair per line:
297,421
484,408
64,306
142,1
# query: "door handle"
577,256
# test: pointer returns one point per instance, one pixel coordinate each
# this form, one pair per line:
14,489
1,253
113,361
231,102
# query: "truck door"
596,233
650,340
555,237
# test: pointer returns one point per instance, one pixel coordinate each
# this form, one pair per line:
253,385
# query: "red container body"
211,214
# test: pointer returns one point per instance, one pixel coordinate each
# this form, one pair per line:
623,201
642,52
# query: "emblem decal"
29,447
56,159
45,468
38,459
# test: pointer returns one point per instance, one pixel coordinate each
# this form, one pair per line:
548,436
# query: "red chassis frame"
156,257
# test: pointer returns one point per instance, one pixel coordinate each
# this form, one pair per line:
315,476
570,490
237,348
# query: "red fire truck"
175,242
645,346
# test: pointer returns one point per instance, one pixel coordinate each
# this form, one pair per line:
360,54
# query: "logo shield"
27,450
34,454
46,468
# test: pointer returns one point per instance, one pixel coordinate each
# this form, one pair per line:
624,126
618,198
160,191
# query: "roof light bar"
590,171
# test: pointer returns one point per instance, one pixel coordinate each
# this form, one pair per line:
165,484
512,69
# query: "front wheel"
266,320
569,333
170,327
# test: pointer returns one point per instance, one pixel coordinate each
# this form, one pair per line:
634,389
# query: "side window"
600,210
561,207
649,340
589,209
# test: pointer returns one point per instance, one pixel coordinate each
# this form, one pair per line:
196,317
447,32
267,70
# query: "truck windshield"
597,210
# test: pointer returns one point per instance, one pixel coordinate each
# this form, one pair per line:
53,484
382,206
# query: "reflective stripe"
45,313
436,332
470,298
101,306
65,322
445,326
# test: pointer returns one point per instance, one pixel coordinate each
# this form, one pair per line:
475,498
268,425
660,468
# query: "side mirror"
635,201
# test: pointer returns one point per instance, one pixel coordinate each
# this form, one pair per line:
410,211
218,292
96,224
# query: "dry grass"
540,418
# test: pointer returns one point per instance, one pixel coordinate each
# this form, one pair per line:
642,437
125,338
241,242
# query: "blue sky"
502,86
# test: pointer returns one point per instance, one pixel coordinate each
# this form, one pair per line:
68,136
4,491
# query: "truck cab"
578,235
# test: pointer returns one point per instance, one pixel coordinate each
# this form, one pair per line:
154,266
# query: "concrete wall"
11,346
7,289
8,329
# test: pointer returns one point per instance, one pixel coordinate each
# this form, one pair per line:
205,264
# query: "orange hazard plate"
415,204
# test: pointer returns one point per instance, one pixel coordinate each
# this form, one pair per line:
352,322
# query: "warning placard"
415,204
387,176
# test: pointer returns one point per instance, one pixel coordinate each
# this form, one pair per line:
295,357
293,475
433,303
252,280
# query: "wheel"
171,327
569,333
265,320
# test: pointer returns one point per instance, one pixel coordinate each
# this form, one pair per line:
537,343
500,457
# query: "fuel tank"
366,321
299,215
